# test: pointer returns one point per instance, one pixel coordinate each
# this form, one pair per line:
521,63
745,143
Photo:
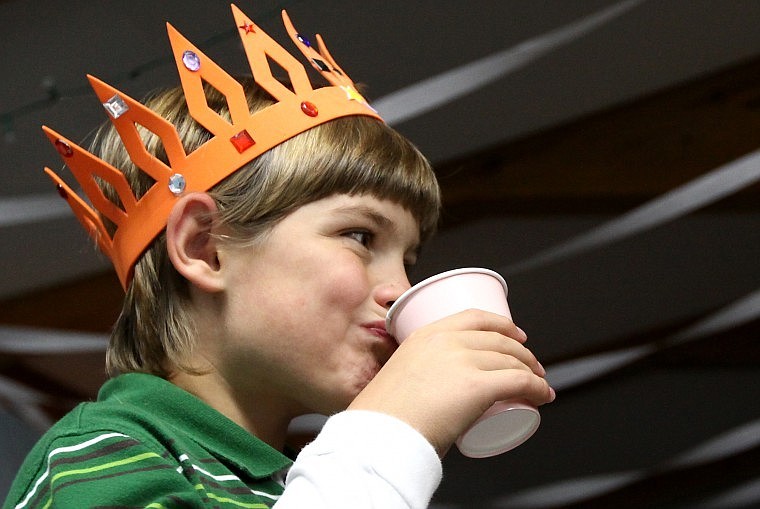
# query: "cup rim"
443,275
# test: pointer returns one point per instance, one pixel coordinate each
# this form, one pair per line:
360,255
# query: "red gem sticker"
309,108
242,141
62,192
63,148
247,28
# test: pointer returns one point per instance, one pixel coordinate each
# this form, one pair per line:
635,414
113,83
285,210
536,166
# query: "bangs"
361,155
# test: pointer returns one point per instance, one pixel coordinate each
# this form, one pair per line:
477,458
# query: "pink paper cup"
506,424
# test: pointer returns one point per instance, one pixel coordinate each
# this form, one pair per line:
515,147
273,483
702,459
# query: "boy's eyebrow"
380,220
370,213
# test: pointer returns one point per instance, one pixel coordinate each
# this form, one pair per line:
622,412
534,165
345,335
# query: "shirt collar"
163,401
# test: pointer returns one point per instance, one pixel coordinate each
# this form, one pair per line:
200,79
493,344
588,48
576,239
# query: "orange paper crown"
233,144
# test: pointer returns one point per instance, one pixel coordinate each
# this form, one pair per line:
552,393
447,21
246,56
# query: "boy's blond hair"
351,155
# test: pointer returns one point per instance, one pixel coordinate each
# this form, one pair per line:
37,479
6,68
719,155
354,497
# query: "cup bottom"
501,428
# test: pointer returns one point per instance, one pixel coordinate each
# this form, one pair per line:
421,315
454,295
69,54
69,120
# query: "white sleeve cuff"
365,459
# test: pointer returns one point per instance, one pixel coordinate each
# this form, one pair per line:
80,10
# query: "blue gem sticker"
191,60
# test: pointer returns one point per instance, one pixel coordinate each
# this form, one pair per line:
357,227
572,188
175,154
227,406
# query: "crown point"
63,148
116,106
191,60
242,141
309,108
177,184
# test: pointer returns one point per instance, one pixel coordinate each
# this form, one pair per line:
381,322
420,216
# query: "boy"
261,230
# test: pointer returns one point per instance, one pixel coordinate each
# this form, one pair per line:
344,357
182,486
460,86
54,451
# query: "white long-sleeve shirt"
361,460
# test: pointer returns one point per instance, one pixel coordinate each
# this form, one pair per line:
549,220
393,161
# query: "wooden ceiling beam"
91,304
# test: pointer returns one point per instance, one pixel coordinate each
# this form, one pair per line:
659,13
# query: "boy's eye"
363,237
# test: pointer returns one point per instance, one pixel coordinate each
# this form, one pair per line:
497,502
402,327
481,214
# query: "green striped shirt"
146,443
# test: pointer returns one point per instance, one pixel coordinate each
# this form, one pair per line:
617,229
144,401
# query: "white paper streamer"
20,210
740,497
31,414
564,375
428,94
742,438
737,313
31,341
20,394
702,191
732,442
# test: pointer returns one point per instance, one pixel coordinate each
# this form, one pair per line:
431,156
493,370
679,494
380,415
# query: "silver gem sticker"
116,106
191,60
177,184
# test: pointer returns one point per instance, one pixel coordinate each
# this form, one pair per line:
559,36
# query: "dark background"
600,154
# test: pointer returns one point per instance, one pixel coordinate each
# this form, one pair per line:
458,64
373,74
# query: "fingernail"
543,370
552,394
525,335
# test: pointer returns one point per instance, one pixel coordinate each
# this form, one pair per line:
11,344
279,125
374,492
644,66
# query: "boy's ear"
191,247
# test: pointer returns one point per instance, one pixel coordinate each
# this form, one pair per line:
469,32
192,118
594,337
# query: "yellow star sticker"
352,94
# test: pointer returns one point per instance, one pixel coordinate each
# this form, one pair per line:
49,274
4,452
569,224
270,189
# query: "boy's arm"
360,460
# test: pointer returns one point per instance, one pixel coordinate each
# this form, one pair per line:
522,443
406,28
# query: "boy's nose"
388,293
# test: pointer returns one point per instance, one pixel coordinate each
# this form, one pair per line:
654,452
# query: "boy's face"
303,314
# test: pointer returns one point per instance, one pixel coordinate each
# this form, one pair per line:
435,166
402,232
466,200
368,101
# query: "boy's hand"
446,374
